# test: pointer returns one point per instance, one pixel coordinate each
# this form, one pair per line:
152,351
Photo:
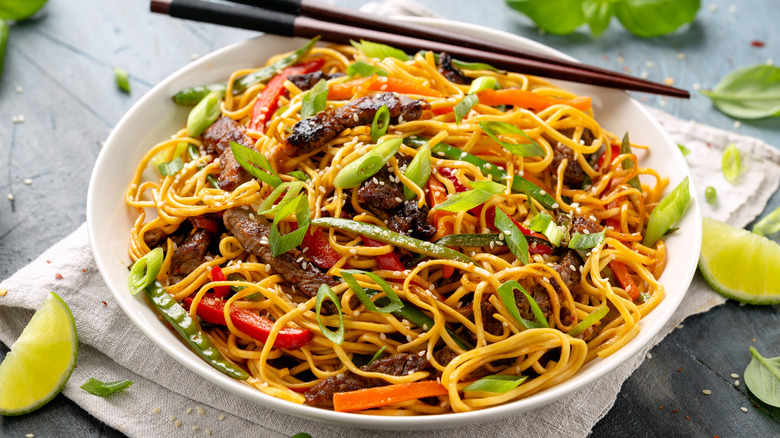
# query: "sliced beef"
491,324
216,140
412,221
252,232
568,267
381,195
583,225
445,356
449,71
190,254
155,237
539,294
400,364
308,80
315,132
573,175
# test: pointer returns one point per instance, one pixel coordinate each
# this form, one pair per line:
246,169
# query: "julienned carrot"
529,99
345,90
386,395
624,278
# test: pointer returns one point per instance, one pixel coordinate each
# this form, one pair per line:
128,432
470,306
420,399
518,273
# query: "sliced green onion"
685,151
386,236
585,241
483,190
102,389
543,223
483,83
588,321
171,168
279,243
364,297
494,129
256,164
497,383
336,337
414,315
205,113
464,106
625,148
315,100
364,167
419,170
710,194
268,207
376,355
470,65
515,239
667,213
731,163
145,270
380,51
364,69
769,224
192,151
507,294
122,79
302,176
380,123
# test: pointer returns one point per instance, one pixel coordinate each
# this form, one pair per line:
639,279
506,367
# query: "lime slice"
739,264
40,361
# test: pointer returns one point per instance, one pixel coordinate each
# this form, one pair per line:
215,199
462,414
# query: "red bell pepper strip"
266,103
216,274
319,250
204,223
529,99
625,280
211,309
385,395
387,262
602,160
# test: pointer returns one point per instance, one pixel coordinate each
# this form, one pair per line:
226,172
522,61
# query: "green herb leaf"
364,297
731,163
279,243
560,17
598,14
651,18
122,79
19,10
102,389
361,169
302,176
498,383
588,321
464,106
748,93
377,355
336,337
762,377
769,224
315,100
483,190
667,213
419,170
171,168
145,270
364,69
507,294
380,51
586,241
256,164
710,195
515,239
494,129
380,123
204,113
685,151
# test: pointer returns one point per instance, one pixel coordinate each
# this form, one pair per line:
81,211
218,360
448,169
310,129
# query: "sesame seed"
743,409
706,392
736,383
322,189
196,427
267,268
356,313
382,336
171,418
188,411
734,375
409,339
397,199
221,417
10,197
541,192
737,124
713,7
300,259
29,435
669,81
643,75
733,9
177,423
681,56
208,431
648,355
396,273
19,90
355,117
383,87
555,205
353,251
488,165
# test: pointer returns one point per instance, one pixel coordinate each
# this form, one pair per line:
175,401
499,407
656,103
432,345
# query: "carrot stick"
345,90
625,280
385,395
529,99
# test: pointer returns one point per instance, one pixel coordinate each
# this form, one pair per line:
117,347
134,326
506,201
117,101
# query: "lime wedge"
40,361
739,264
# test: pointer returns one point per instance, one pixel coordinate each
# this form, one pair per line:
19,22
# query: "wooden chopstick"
285,24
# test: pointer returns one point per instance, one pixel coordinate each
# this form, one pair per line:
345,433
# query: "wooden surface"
63,63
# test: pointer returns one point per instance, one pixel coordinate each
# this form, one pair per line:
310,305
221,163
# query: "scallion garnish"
464,106
377,355
122,79
667,212
685,151
470,65
588,321
483,190
268,207
145,270
204,113
419,170
543,223
364,69
769,224
279,243
170,168
302,176
585,241
731,164
364,167
256,164
507,294
380,123
494,129
625,148
315,100
102,389
336,337
498,383
380,51
513,236
364,297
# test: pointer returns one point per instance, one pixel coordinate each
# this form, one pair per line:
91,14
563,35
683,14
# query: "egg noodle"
547,356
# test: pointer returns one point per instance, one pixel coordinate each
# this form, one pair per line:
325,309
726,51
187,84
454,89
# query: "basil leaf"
598,14
762,377
122,79
171,168
302,176
279,243
748,93
376,355
315,99
464,106
554,16
585,241
588,321
507,294
513,236
494,129
364,297
19,10
483,190
498,383
336,337
651,18
364,69
102,389
256,164
380,51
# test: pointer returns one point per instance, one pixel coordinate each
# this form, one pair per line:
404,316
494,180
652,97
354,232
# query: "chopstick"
285,24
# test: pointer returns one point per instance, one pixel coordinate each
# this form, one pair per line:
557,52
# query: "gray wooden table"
58,75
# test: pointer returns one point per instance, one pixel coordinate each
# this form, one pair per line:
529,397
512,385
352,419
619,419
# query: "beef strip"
573,175
445,356
412,221
315,132
580,224
400,364
155,237
308,80
216,140
190,254
568,267
251,231
449,71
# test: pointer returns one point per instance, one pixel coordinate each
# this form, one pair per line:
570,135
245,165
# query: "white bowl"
155,118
